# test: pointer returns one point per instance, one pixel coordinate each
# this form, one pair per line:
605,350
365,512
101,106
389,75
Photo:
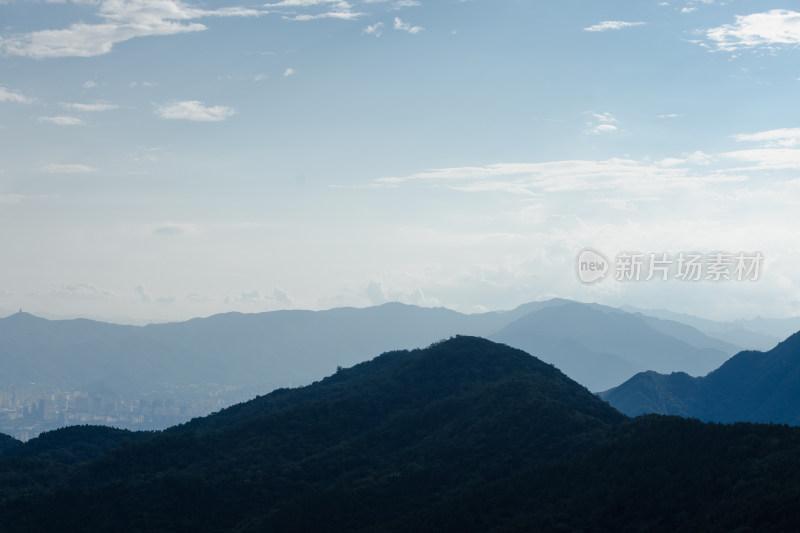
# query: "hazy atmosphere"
161,160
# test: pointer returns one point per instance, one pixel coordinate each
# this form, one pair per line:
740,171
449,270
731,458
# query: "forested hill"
466,435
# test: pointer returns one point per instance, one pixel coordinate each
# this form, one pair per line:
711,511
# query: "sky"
161,160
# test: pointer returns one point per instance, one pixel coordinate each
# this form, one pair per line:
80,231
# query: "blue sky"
161,159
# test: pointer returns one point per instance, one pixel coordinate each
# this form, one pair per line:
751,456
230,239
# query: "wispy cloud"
9,198
405,26
100,106
530,179
194,110
288,72
374,29
331,9
14,97
63,120
121,21
607,25
68,168
782,137
777,27
603,122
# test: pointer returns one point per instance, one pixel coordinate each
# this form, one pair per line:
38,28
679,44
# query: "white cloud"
374,29
699,158
90,107
89,84
640,178
602,128
605,117
405,26
308,3
671,162
778,138
14,97
612,25
335,9
121,21
603,123
194,110
342,15
288,72
63,120
768,158
769,29
71,168
399,4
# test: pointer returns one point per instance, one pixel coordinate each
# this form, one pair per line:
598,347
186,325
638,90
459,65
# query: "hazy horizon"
132,321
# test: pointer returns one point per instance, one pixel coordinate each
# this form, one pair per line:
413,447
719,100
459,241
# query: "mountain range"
285,348
465,435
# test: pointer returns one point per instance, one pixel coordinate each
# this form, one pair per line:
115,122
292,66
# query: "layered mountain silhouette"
465,435
597,345
285,348
756,334
751,386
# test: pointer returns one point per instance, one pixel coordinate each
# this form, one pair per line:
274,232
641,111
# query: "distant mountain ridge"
598,345
751,386
284,348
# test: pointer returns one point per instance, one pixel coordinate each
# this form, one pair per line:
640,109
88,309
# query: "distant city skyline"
163,160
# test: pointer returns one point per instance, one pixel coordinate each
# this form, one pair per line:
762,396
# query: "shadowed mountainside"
751,386
466,435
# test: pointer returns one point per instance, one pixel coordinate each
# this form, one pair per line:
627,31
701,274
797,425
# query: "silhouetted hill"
73,444
395,433
601,346
466,435
751,386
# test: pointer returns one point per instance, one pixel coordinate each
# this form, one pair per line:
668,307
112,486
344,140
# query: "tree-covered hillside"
466,435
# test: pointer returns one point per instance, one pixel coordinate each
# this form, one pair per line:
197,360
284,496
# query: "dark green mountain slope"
373,442
7,443
466,435
751,386
653,473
